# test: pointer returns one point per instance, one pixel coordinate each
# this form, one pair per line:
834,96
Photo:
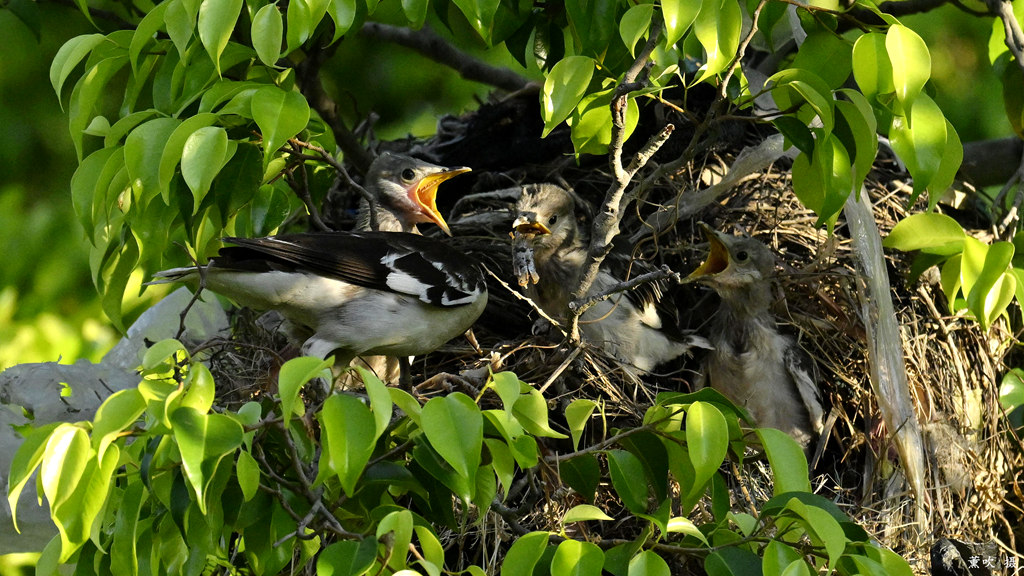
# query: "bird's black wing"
391,261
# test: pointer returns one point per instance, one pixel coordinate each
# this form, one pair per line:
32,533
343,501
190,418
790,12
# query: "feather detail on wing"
804,373
403,263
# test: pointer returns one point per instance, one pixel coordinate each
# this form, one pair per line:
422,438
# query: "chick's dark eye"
553,219
742,255
408,174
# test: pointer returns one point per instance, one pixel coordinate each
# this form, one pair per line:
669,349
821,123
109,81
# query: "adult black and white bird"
629,326
752,363
350,293
381,292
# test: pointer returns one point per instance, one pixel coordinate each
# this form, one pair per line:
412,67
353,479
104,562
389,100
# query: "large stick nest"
974,459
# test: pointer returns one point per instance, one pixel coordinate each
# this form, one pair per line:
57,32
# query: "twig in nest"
526,299
663,273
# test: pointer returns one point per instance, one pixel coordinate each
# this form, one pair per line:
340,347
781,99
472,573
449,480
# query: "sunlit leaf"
871,65
679,16
294,374
628,476
349,427
531,411
718,30
707,440
635,24
577,558
524,554
347,557
343,12
648,563
268,33
216,23
247,471
564,87
454,426
911,63
584,512
577,414
119,411
786,457
936,233
280,115
69,56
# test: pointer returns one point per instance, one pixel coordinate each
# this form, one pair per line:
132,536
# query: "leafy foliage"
161,481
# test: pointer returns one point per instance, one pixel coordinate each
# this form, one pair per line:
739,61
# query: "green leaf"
347,558
856,117
407,404
508,387
648,563
635,25
151,23
69,56
247,471
936,233
119,411
789,466
67,456
582,474
216,23
267,34
798,87
732,561
564,87
797,568
480,15
822,528
707,440
454,427
524,554
175,145
951,274
872,68
949,165
143,150
203,438
575,558
294,374
400,523
349,429
181,18
204,154
827,56
584,512
280,115
920,141
911,63
683,525
26,459
629,480
593,22
679,15
380,400
576,416
718,31
778,556
993,288
87,185
502,461
200,388
1011,389
531,410
87,93
416,12
343,12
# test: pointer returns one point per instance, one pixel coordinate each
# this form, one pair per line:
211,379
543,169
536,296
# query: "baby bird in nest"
636,326
752,363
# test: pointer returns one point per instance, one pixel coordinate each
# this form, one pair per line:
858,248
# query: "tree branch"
663,273
307,75
606,224
436,48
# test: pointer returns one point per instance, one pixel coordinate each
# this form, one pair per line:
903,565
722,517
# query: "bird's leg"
471,338
404,373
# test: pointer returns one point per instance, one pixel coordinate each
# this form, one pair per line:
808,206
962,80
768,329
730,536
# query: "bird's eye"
742,255
552,220
408,174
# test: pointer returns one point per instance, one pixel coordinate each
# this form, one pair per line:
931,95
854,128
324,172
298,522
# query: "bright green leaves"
978,277
479,13
891,70
594,23
216,23
718,27
564,87
636,23
204,440
280,115
454,427
69,56
204,154
707,437
678,16
349,438
911,63
267,34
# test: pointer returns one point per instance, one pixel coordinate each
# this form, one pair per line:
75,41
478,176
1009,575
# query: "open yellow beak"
527,225
424,194
718,256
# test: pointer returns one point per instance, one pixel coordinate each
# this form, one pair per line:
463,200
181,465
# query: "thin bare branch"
429,44
663,273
